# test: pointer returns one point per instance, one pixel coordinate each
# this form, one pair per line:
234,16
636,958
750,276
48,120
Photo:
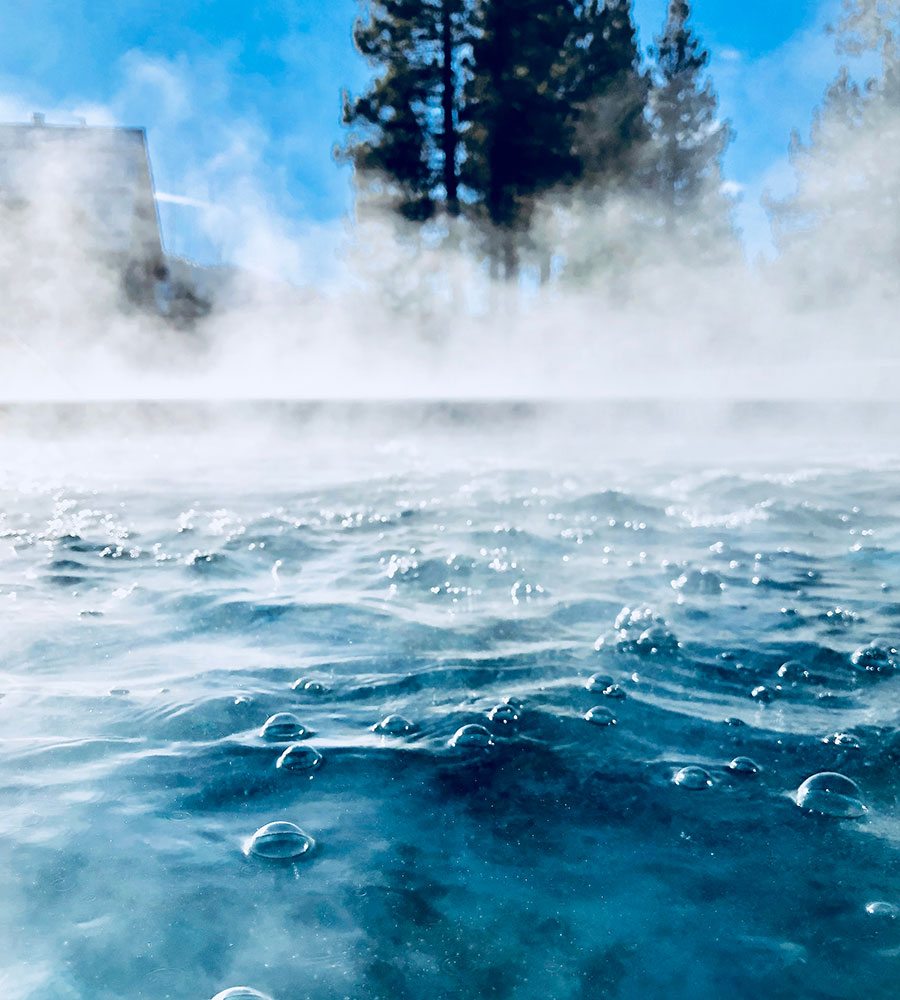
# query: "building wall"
87,191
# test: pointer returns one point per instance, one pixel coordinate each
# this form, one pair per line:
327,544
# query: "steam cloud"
332,310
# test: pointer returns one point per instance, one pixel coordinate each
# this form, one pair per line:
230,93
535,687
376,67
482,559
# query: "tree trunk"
546,266
510,256
449,139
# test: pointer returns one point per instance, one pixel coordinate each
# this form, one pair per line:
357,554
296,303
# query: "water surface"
168,590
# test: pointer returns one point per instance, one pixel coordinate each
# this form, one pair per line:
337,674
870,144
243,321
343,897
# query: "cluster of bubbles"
605,685
309,685
504,713
826,793
281,840
640,631
700,582
874,659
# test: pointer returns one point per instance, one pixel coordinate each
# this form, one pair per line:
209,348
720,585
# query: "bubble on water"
744,765
762,694
842,740
471,736
283,726
279,841
656,639
599,715
875,659
242,699
393,725
504,713
118,692
299,757
733,720
831,794
309,685
693,778
614,691
627,618
241,993
882,910
699,581
597,682
793,670
839,617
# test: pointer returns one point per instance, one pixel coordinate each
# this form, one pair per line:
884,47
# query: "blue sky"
242,101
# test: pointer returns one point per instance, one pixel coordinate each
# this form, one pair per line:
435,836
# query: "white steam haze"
354,309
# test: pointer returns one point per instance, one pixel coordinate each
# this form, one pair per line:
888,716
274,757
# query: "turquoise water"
622,625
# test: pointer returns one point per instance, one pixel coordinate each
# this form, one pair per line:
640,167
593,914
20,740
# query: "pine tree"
405,143
689,141
519,140
608,92
590,227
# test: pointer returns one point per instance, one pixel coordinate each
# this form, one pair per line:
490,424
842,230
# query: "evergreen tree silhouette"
519,140
608,92
405,138
689,140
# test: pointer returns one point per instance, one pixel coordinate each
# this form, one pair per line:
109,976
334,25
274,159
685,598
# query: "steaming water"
656,656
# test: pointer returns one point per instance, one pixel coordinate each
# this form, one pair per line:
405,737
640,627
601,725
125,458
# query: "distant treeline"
533,133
